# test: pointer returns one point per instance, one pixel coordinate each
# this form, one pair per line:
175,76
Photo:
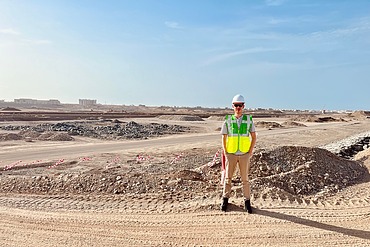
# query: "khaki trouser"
244,164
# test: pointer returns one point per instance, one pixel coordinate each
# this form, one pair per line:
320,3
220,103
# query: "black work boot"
248,207
225,201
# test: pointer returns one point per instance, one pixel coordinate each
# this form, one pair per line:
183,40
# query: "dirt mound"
42,136
10,137
360,115
364,156
45,136
269,125
304,171
285,172
316,119
293,124
323,119
52,136
61,137
10,109
29,134
181,117
217,118
188,175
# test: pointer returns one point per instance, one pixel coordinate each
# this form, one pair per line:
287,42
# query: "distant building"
37,102
87,102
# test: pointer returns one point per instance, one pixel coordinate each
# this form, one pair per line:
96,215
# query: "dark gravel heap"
111,131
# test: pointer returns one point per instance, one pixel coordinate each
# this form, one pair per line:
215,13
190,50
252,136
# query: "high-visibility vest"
238,137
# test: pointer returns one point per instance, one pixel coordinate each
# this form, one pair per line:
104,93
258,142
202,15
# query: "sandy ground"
95,219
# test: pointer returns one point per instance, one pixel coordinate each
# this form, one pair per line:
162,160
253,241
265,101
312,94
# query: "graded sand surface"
165,191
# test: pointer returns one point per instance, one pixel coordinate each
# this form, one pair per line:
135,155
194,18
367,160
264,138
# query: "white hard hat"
238,99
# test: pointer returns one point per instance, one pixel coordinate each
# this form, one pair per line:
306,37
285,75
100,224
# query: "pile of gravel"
349,147
109,131
304,171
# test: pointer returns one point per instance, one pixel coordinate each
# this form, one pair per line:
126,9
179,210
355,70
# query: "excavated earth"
287,172
302,196
295,172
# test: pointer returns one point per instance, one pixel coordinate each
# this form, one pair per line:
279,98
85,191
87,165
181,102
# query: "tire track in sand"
309,227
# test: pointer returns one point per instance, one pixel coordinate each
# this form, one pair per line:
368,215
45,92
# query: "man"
238,141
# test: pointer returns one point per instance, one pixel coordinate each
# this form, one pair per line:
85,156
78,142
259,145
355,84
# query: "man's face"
238,107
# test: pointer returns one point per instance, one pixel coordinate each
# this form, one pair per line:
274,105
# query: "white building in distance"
37,102
87,102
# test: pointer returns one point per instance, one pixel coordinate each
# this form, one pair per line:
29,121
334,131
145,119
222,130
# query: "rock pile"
115,130
349,147
304,171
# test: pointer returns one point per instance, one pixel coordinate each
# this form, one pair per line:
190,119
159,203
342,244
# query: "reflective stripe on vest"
238,137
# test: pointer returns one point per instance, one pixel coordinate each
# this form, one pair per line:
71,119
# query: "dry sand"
165,192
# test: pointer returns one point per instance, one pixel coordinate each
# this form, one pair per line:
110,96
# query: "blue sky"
282,54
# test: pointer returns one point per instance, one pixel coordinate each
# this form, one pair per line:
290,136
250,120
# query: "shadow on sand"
311,223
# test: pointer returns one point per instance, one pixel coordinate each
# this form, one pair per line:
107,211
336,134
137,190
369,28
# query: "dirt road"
57,150
95,220
268,227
